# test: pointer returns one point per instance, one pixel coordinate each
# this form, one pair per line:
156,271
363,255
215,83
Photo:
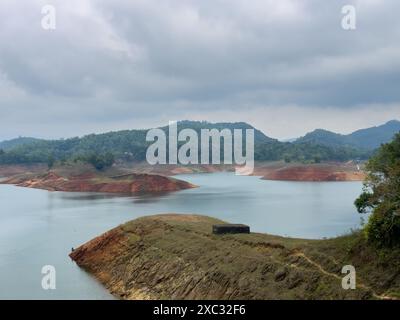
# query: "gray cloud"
122,64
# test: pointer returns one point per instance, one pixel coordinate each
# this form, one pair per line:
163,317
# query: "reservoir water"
39,228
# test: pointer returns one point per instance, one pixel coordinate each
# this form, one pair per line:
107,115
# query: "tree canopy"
381,195
131,145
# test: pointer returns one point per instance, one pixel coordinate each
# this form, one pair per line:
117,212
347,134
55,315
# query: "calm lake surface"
39,228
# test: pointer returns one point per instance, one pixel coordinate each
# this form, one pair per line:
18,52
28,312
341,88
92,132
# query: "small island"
87,179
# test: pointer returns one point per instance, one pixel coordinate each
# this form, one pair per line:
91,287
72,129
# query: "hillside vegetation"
131,145
10,144
365,139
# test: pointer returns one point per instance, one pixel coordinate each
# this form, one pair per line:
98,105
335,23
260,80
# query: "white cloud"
286,122
121,64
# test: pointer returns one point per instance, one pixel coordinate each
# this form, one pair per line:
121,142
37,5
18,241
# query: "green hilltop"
131,145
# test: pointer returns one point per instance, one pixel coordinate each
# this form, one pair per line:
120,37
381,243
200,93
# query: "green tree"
381,195
317,159
101,161
287,158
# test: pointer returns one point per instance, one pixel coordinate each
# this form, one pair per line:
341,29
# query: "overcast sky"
286,67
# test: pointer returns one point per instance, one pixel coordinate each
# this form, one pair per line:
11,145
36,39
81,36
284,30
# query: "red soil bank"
309,173
89,182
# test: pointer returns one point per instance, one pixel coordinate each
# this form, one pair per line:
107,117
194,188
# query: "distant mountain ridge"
9,144
131,145
124,144
366,139
259,136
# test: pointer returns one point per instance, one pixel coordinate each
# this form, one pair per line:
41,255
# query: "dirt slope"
310,172
91,182
177,257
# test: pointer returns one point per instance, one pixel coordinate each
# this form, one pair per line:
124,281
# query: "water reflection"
138,197
150,197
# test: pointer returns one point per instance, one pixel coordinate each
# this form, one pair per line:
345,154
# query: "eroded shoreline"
93,182
176,257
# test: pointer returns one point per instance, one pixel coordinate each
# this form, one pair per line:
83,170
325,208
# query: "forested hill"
10,144
131,145
366,139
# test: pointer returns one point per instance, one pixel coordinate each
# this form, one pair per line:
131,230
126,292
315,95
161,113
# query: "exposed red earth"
11,170
315,172
90,182
141,177
271,170
175,256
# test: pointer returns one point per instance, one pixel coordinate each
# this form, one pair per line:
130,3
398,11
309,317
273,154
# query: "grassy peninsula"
177,257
